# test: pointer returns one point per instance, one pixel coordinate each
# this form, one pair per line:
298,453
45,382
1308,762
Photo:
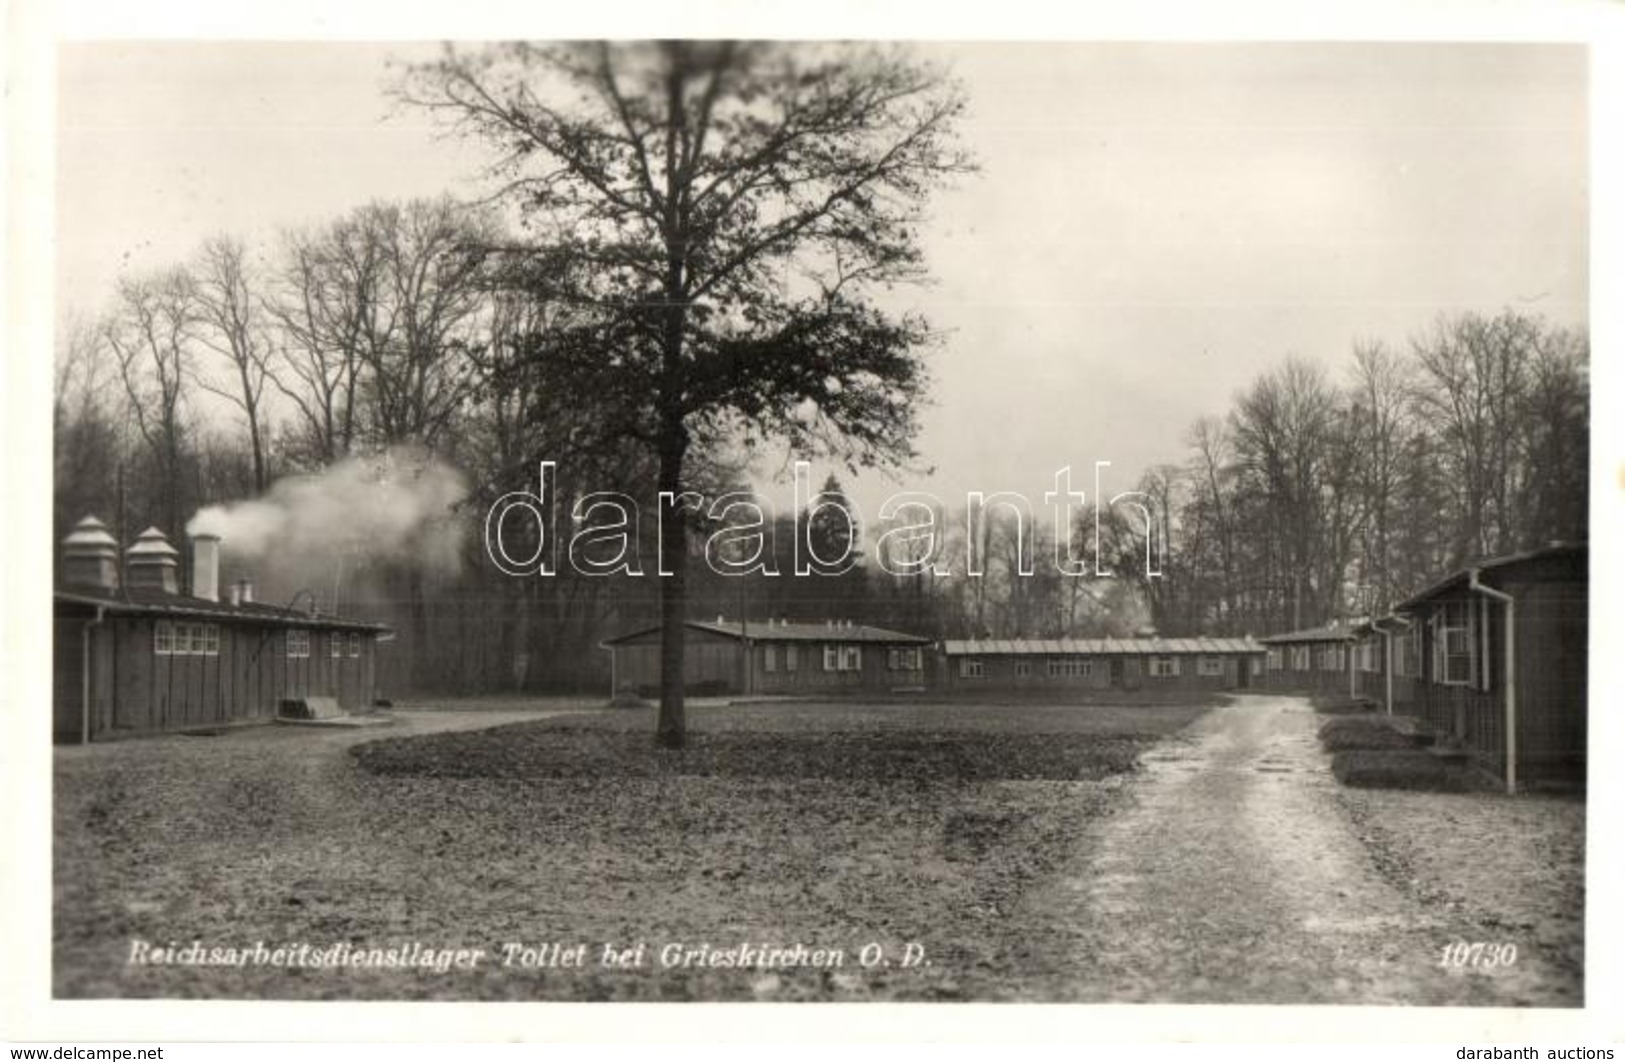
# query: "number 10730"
1479,953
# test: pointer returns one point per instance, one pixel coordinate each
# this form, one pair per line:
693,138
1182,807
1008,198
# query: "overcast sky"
1154,224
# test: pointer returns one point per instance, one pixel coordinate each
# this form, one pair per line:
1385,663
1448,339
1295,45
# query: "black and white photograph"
819,520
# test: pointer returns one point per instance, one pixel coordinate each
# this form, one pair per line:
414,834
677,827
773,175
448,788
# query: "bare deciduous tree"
230,324
151,332
722,207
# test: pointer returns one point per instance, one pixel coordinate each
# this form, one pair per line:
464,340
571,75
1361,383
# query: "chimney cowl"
90,556
151,562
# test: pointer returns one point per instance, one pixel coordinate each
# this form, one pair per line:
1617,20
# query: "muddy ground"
1227,866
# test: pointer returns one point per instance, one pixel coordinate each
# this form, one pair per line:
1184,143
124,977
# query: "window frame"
906,658
1068,667
1163,665
1444,658
184,638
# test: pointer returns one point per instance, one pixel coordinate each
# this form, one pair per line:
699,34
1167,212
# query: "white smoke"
394,506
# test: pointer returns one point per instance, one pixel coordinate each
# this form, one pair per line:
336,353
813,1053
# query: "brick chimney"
90,556
206,566
151,562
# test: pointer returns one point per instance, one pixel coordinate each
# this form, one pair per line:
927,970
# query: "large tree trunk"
670,730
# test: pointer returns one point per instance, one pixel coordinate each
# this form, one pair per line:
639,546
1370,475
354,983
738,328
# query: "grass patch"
538,750
908,744
1349,733
1410,768
835,826
1339,705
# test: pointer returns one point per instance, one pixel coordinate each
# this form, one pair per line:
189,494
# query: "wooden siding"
1551,675
1315,680
1551,642
135,690
1031,671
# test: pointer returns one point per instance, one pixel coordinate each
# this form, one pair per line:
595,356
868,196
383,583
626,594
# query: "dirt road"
1235,876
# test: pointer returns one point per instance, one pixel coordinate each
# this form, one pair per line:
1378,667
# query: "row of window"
203,639
839,658
1457,632
1083,667
298,643
1307,658
186,639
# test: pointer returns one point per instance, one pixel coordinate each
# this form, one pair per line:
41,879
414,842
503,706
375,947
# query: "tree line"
677,279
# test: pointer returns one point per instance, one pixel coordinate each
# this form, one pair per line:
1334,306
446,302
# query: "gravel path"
1235,875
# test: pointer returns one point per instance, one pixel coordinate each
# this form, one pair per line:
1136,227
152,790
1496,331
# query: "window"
789,658
1067,667
298,643
1024,668
832,658
1300,658
1210,665
185,639
1273,659
335,645
851,658
1453,644
970,667
903,659
1164,666
355,645
770,658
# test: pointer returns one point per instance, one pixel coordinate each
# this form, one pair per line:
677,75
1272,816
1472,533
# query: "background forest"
379,349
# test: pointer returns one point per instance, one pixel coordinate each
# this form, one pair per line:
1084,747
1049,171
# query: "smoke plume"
394,506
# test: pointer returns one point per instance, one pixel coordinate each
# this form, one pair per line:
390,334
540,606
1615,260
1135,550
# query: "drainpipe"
1349,650
1511,699
1387,658
84,675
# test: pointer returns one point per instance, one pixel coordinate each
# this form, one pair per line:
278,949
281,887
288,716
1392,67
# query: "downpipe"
84,674
1511,669
1388,656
